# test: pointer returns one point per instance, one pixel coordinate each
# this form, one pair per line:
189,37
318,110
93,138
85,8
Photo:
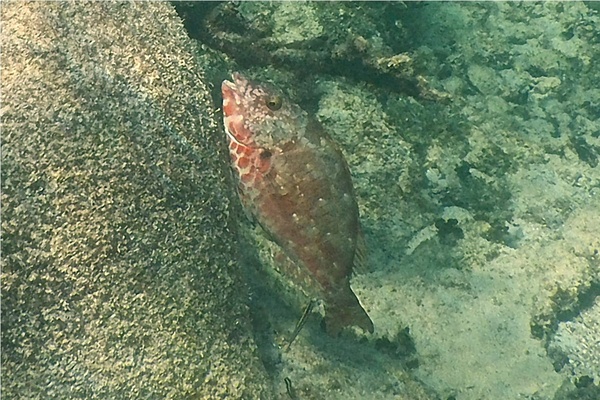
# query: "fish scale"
296,183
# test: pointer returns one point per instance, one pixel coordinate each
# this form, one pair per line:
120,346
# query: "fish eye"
265,154
274,103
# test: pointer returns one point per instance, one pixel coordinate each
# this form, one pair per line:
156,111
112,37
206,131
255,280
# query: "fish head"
258,116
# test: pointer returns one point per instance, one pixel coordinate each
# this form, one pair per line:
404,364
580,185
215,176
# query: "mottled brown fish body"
306,203
297,185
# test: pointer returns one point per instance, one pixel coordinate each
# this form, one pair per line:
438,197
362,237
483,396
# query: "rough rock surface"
117,274
480,213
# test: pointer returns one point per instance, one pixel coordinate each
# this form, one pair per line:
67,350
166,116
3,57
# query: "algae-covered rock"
480,214
117,272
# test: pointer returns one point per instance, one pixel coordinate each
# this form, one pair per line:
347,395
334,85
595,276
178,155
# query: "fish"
295,182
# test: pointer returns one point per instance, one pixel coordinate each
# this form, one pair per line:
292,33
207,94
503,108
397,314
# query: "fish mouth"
236,89
233,110
233,93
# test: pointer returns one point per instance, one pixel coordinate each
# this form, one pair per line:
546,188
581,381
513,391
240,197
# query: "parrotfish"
294,181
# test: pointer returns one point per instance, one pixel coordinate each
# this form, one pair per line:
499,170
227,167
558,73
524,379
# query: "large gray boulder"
117,272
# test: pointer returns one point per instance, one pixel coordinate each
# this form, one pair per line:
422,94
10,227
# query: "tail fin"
344,310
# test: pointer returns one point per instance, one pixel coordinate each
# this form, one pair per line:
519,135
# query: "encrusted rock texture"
118,274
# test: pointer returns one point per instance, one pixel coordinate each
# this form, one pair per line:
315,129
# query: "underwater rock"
117,241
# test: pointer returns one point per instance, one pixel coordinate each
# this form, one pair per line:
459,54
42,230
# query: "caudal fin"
344,310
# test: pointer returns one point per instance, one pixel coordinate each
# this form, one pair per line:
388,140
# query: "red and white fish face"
296,183
259,122
244,106
258,115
